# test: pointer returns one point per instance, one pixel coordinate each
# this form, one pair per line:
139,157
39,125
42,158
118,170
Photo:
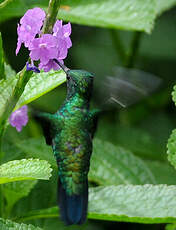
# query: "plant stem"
4,3
51,16
120,51
134,48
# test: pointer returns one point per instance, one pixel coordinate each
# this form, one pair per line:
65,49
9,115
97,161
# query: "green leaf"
40,84
163,5
141,204
127,203
171,148
25,169
170,227
121,14
113,165
2,75
16,190
9,225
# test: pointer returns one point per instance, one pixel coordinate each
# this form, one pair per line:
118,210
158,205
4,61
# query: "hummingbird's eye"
68,77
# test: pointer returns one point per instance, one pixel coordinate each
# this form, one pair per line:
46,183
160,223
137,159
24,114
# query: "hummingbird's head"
80,80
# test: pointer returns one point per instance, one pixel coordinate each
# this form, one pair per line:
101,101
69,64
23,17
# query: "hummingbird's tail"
73,209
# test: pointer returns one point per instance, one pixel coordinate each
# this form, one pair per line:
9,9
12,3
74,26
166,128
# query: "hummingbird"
71,129
70,132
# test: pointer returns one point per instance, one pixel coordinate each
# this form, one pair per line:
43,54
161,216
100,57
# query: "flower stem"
134,48
51,16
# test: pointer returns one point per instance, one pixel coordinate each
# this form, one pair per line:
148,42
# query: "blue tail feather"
73,209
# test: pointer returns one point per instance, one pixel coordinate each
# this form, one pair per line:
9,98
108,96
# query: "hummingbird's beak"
65,69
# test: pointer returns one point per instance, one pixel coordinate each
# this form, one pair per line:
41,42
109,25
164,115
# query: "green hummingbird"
70,132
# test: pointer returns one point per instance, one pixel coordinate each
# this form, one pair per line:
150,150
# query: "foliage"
113,168
38,85
7,225
125,203
26,169
130,177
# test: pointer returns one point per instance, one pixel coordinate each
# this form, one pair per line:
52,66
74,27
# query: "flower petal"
19,118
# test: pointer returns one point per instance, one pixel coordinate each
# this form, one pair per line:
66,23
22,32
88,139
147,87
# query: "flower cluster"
43,47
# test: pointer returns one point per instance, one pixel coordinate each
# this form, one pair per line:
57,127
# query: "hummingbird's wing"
127,86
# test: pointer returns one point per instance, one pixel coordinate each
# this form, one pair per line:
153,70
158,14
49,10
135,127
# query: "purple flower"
31,24
57,29
62,49
19,118
67,33
44,48
36,15
63,32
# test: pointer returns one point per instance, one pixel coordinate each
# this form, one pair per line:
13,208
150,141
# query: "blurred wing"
128,86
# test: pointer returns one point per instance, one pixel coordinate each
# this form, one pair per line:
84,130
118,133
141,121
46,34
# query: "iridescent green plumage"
72,144
70,131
